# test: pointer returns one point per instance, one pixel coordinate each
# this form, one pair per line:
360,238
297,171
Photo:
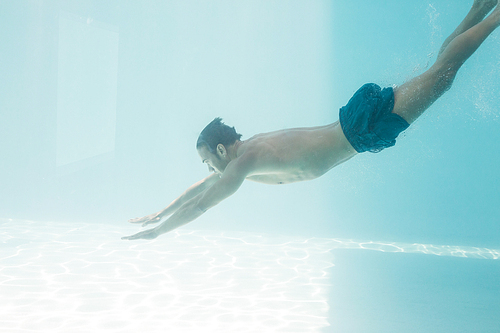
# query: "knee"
445,80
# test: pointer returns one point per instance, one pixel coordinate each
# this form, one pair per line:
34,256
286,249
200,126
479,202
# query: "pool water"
101,104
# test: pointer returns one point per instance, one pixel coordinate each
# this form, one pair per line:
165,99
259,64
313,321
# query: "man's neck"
233,149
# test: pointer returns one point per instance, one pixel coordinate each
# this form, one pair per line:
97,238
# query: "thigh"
414,97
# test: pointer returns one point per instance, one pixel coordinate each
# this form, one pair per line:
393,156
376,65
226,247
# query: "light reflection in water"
82,277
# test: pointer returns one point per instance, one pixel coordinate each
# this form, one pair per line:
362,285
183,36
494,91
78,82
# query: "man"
371,121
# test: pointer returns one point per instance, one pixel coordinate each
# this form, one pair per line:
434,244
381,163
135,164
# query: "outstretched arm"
190,193
231,180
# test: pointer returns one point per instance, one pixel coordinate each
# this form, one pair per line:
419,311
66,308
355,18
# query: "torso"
298,154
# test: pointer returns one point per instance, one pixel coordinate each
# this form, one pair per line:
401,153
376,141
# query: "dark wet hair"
217,132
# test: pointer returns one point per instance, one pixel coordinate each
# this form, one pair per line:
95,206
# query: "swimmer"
371,121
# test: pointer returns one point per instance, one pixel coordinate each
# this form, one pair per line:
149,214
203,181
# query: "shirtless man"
371,121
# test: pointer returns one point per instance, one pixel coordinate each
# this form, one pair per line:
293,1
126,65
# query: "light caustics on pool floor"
62,277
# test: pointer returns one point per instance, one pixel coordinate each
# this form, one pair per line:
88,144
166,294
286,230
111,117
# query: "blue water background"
172,66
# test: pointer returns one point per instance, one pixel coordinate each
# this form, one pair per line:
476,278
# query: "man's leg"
476,14
415,96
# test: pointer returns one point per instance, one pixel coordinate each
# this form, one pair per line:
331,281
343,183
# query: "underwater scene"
249,166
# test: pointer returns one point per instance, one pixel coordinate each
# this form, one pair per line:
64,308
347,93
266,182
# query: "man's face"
215,163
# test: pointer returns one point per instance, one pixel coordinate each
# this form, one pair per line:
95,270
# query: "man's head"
213,143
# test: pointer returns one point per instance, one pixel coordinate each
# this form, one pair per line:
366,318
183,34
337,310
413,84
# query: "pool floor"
80,277
397,292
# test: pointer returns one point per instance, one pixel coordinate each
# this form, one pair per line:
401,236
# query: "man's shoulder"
253,149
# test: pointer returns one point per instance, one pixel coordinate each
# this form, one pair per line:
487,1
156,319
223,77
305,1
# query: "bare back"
297,154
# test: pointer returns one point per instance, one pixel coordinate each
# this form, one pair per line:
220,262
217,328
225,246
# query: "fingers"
137,220
132,237
145,220
146,234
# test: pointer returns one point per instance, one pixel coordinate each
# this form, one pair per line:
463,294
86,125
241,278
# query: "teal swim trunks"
367,119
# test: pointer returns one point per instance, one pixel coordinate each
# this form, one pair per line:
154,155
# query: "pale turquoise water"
101,104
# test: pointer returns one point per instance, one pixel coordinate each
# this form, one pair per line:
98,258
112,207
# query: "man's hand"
149,219
146,234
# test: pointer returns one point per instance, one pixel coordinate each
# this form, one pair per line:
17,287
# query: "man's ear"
221,150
